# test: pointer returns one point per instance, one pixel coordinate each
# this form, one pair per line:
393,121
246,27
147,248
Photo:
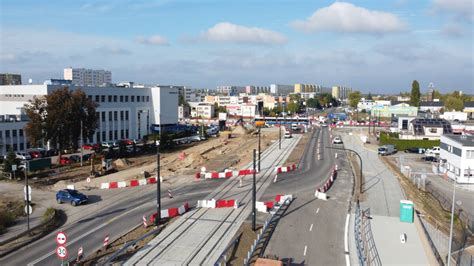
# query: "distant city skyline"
371,46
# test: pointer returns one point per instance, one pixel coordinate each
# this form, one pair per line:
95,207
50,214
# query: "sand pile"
122,162
239,130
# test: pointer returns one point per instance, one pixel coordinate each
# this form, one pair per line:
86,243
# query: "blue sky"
377,46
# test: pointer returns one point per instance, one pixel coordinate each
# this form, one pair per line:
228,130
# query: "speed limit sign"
61,251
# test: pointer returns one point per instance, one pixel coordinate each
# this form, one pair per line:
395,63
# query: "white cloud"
232,33
453,30
153,40
346,17
464,8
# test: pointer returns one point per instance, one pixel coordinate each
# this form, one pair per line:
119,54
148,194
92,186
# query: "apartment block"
87,77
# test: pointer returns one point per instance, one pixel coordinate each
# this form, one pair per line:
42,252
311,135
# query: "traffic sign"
13,167
79,252
203,169
28,209
88,180
61,238
27,197
61,251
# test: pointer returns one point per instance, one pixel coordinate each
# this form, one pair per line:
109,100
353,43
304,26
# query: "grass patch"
10,210
403,144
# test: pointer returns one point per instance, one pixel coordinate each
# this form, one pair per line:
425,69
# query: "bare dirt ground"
216,154
10,209
298,151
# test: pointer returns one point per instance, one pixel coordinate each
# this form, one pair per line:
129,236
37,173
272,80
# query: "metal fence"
366,250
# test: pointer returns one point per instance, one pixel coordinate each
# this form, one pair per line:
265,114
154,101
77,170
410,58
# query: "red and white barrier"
106,241
217,203
225,174
320,192
268,205
284,169
130,183
171,212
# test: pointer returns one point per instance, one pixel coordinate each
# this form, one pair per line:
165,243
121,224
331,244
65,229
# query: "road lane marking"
85,234
317,211
346,241
311,228
304,253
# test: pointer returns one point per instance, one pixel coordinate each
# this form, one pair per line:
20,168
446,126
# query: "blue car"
71,196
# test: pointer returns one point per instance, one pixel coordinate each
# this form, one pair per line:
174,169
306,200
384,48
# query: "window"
90,97
126,133
15,146
121,115
97,136
126,117
110,116
20,132
110,98
126,98
122,134
14,133
103,116
450,148
97,98
115,98
132,98
121,98
103,135
115,115
1,132
22,146
28,145
102,98
115,134
138,99
110,135
143,98
470,154
147,98
433,130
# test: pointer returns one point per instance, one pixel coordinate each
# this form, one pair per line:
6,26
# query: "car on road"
23,156
387,150
71,196
415,150
287,135
324,125
337,140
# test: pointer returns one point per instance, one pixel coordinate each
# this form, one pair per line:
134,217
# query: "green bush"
48,214
6,219
402,144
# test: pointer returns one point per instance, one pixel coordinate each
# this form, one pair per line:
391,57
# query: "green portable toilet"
406,211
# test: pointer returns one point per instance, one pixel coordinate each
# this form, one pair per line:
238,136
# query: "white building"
432,107
87,77
123,112
457,155
202,110
341,92
277,89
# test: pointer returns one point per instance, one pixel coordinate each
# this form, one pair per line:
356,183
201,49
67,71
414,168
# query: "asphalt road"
126,210
312,231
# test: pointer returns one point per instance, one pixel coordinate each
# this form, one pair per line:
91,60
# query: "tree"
354,98
369,96
313,103
415,94
453,103
293,107
57,118
9,161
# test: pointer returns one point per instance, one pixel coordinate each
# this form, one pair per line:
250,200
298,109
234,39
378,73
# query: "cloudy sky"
370,45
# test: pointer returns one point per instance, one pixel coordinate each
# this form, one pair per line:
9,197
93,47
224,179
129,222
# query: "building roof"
469,104
419,123
432,104
464,140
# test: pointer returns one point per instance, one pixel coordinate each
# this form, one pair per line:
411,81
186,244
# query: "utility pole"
259,129
452,220
279,133
82,143
27,198
158,183
254,192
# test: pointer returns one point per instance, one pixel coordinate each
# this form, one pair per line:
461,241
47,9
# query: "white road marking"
346,242
317,211
311,228
304,253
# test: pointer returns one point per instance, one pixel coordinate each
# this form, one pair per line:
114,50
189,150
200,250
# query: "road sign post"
27,196
79,254
61,251
106,242
61,238
254,214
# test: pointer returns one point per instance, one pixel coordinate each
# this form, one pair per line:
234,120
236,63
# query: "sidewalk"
382,194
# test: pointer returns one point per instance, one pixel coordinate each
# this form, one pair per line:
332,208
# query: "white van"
287,135
294,127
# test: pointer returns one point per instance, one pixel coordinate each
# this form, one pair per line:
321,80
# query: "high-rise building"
277,89
10,79
341,92
87,77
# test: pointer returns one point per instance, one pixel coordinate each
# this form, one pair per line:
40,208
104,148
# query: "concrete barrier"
171,212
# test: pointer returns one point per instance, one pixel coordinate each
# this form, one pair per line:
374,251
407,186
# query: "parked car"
324,125
87,146
294,127
128,141
23,156
51,152
430,159
387,150
75,158
415,150
71,196
64,161
35,154
337,140
87,157
435,151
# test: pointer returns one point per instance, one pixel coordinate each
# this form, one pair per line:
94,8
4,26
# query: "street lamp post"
254,192
158,179
452,221
82,143
259,152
